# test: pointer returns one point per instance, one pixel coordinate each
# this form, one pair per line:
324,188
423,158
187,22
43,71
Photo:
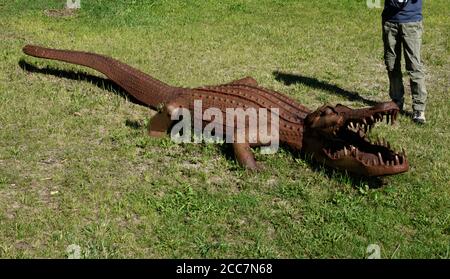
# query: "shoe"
419,117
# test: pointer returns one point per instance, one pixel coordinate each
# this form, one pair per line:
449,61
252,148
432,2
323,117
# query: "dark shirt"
394,11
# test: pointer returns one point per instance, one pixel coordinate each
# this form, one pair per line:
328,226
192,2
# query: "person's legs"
392,58
412,41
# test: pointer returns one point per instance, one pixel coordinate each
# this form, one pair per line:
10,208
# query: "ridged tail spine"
141,86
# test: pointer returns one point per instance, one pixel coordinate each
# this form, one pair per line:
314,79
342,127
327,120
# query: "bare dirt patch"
60,12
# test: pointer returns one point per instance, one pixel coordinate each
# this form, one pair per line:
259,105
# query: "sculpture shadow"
103,83
134,124
289,79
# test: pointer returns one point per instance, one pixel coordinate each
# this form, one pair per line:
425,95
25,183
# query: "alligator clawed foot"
244,156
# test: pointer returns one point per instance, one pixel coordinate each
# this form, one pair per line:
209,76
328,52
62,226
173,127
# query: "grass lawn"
77,167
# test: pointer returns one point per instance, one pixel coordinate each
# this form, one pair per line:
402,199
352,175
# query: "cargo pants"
406,36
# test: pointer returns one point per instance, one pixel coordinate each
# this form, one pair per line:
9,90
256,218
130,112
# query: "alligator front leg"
244,155
160,123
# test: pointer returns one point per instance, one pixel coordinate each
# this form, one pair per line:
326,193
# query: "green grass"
76,165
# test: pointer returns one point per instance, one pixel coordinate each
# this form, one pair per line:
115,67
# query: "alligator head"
337,136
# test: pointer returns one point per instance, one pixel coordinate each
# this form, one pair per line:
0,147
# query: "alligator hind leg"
244,156
249,81
245,81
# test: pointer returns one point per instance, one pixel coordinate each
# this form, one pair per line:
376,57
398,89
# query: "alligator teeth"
378,117
374,162
345,151
380,158
397,161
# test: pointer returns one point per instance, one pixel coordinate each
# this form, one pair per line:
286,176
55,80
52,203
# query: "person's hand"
398,3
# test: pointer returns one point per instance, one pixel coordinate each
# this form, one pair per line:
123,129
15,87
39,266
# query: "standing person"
402,26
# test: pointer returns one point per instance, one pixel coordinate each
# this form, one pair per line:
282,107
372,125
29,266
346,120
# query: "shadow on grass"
289,79
134,124
100,82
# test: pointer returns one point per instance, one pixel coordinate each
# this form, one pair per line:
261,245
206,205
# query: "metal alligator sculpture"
333,135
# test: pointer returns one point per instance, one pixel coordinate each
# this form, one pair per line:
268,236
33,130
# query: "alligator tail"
141,86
